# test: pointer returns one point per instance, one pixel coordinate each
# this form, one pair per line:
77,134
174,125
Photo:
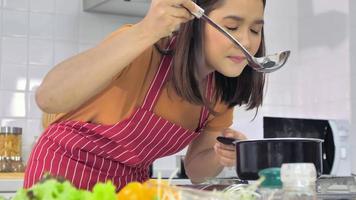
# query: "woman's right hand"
165,16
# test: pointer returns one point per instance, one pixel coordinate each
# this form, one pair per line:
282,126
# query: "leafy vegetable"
52,189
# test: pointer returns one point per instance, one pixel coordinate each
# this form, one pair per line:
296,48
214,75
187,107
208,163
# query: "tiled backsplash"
36,35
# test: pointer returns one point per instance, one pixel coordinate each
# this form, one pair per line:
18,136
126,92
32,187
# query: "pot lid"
280,139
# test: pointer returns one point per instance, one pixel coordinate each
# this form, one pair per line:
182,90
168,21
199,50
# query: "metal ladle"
266,64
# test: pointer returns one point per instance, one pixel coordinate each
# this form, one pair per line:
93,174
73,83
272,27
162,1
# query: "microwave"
336,150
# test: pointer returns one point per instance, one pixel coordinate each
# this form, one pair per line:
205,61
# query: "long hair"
246,89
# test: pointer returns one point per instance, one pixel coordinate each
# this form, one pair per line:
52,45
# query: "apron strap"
158,81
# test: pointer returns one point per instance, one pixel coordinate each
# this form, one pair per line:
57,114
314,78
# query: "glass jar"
17,165
12,141
299,181
10,148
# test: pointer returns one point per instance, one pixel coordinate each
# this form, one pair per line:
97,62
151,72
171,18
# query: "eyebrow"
238,18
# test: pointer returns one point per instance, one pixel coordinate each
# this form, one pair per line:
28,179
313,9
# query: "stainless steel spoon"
266,64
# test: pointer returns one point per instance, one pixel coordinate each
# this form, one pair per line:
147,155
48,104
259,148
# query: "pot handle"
226,140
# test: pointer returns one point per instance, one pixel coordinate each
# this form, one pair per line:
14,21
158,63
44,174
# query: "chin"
234,72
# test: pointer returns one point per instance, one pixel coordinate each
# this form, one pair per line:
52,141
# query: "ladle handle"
199,13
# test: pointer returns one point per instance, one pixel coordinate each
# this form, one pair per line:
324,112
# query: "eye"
255,31
232,28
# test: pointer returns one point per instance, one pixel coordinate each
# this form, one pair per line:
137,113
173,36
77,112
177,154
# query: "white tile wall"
315,82
13,77
352,21
14,50
15,23
41,25
16,4
34,36
41,52
42,6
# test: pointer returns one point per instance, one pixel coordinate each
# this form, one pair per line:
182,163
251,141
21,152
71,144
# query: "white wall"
315,82
34,36
353,78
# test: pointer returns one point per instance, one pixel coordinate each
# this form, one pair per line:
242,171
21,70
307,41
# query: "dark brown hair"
247,88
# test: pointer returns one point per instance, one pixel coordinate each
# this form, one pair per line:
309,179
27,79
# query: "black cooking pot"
255,155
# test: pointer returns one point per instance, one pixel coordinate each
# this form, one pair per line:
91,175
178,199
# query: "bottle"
299,181
11,147
271,187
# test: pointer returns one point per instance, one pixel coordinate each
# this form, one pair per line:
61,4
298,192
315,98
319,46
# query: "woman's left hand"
226,153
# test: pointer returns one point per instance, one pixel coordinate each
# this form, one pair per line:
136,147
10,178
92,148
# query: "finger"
189,5
226,147
224,153
234,134
181,12
227,162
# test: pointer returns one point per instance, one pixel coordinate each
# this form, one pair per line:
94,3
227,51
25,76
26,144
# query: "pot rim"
280,139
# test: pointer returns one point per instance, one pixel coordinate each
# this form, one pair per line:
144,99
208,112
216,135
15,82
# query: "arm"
74,81
79,78
206,157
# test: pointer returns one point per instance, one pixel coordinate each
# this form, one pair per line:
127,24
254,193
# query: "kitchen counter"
335,187
10,183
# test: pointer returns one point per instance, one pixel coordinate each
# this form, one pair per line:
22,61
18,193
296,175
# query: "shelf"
12,175
134,8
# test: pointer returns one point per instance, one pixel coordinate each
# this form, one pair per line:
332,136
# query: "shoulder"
223,118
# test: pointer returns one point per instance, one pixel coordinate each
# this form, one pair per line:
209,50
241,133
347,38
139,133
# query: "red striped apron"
86,153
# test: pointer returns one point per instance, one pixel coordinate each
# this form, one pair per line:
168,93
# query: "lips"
236,59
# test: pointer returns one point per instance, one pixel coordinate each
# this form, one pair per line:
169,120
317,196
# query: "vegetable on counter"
55,189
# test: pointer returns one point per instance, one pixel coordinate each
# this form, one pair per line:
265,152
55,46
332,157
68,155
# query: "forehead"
247,9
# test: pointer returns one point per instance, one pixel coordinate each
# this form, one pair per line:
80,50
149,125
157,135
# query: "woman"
148,91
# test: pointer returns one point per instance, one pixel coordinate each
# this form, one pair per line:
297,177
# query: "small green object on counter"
272,177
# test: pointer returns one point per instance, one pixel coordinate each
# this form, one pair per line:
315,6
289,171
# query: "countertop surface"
10,182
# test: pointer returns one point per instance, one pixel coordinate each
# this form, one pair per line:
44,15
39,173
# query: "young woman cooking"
148,91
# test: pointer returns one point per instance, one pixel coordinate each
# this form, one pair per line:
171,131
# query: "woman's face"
244,20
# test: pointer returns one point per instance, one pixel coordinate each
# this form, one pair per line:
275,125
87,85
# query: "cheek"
215,43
